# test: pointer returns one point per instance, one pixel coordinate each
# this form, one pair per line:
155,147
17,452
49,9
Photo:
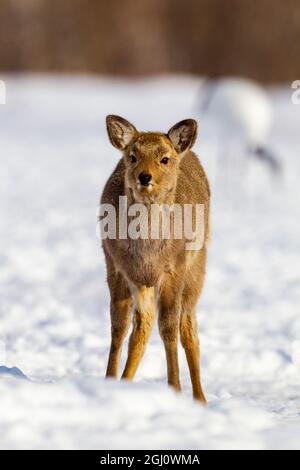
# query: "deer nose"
145,178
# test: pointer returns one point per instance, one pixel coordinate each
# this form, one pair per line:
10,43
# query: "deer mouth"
144,188
144,193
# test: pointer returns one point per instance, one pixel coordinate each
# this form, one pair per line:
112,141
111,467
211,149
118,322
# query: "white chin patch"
144,189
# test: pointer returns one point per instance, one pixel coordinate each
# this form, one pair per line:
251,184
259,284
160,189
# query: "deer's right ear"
120,131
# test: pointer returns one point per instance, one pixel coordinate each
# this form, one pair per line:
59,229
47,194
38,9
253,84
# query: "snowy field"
54,308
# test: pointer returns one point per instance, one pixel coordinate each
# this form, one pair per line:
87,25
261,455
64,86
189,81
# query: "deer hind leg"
120,312
168,322
190,338
143,318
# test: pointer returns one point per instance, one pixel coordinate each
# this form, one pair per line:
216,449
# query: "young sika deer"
156,168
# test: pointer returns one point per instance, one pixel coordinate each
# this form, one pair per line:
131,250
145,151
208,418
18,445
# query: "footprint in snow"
11,372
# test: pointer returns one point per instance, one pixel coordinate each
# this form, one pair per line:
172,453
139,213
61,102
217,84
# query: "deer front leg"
190,342
120,310
168,322
143,318
189,328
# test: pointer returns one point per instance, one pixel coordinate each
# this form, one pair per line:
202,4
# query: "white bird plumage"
240,111
243,107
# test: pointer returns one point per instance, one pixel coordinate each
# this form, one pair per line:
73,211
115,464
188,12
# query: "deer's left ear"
183,135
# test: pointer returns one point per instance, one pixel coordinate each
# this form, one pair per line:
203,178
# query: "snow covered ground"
54,318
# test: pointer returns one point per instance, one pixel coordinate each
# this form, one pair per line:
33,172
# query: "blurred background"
65,65
255,39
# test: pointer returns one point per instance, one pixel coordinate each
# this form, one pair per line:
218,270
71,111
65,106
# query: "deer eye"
164,160
132,158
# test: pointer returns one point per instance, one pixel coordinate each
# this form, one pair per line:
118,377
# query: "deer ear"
120,131
183,135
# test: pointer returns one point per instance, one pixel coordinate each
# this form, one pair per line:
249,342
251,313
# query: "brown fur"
150,272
